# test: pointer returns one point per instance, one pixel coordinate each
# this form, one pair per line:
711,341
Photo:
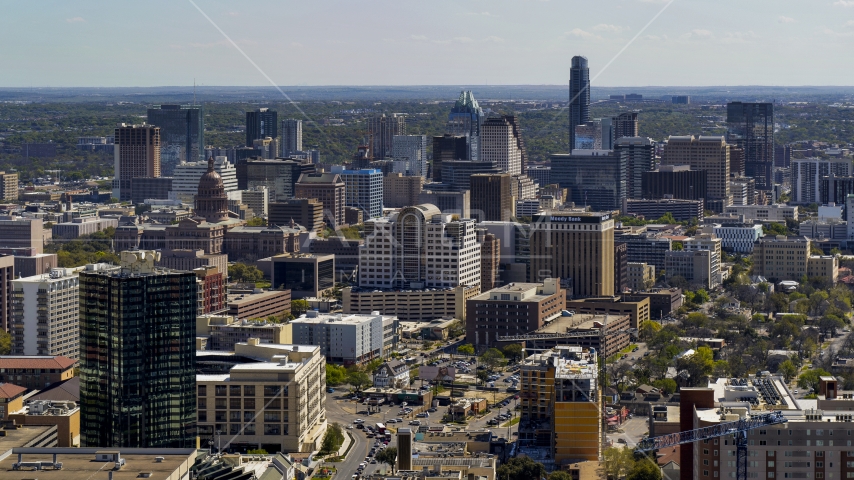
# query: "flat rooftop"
80,463
580,321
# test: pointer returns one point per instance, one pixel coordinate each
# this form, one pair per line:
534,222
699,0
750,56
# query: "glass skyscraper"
750,126
182,134
579,96
137,355
466,118
260,124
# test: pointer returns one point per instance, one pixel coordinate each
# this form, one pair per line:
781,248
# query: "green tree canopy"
521,468
387,456
359,380
241,272
298,307
492,358
335,375
513,352
644,469
467,349
618,461
810,378
788,369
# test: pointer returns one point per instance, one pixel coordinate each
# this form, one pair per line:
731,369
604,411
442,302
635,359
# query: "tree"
359,380
810,378
666,385
492,358
240,272
467,349
618,462
5,342
788,369
701,296
512,352
649,329
256,222
644,469
335,375
482,375
560,475
387,456
521,468
332,440
298,307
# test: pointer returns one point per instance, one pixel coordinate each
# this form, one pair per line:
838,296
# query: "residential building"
636,309
775,213
329,188
708,241
615,327
363,189
522,187
577,246
466,120
512,309
135,306
7,275
144,188
738,238
594,178
621,261
419,247
694,266
8,186
224,332
186,176
807,174
409,305
182,135
645,247
35,372
787,258
277,404
674,181
81,226
19,232
278,176
490,259
638,154
346,339
492,197
210,285
137,154
291,136
750,126
414,149
662,301
579,96
682,210
45,314
303,274
392,374
382,130
449,148
835,190
625,125
260,124
401,191
707,153
259,304
640,275
307,212
501,143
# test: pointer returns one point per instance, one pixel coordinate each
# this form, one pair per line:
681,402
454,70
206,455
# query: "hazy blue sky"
406,42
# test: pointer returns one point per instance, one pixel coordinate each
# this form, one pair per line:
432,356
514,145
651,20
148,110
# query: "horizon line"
190,87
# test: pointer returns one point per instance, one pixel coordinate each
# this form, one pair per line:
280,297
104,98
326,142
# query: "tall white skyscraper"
501,144
291,136
414,148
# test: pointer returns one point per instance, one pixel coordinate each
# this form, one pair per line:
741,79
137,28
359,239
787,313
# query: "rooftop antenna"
194,91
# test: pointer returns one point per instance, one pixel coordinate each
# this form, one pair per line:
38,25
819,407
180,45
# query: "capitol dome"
211,200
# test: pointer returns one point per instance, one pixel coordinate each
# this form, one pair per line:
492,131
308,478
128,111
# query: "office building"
137,154
466,119
409,305
776,212
782,156
414,149
807,174
490,259
833,189
502,144
743,190
329,188
593,178
224,332
45,317
304,275
144,188
182,135
682,210
593,135
621,265
681,100
29,263
647,248
344,339
703,153
530,207
291,136
456,174
692,266
639,275
260,124
454,203
138,320
8,186
363,190
708,242
186,176
492,196
307,212
189,260
540,174
738,238
512,309
625,125
35,372
278,176
789,258
81,226
639,156
19,232
419,247
257,199
523,187
276,404
382,130
750,126
579,96
449,148
401,191
259,305
674,181
577,246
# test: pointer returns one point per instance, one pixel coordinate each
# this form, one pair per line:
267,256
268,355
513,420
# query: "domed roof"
210,180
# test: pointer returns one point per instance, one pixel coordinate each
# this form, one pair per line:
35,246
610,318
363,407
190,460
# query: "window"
219,404
249,390
234,390
220,390
203,390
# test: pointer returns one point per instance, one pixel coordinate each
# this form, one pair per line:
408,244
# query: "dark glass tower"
750,126
137,355
261,123
448,148
182,134
466,118
579,96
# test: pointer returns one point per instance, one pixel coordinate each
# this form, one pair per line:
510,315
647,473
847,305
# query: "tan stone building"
401,191
409,305
709,153
329,189
136,154
8,186
788,258
640,275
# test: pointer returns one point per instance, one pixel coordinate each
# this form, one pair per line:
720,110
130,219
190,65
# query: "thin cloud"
493,38
577,32
297,45
233,14
481,14
833,33
75,20
844,3
418,38
849,23
604,27
701,32
785,19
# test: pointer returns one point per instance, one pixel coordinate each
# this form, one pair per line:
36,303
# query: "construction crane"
737,429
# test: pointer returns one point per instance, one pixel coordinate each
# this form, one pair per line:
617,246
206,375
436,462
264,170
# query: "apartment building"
259,304
808,172
693,266
738,238
401,191
8,186
640,275
346,339
709,242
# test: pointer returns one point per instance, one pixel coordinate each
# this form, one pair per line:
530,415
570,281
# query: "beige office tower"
136,154
703,153
8,186
501,144
578,248
404,449
382,130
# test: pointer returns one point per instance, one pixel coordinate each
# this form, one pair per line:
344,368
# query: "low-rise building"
65,415
639,275
694,266
682,210
409,305
82,226
776,212
225,331
637,309
189,260
616,329
92,463
662,301
304,275
789,258
35,372
392,374
259,304
346,339
738,238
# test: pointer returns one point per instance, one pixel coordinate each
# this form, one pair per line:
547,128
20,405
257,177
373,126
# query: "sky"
428,42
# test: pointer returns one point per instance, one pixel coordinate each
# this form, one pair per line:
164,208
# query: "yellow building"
788,258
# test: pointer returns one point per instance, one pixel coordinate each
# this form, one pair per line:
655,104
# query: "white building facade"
45,314
344,339
738,238
185,179
500,146
807,174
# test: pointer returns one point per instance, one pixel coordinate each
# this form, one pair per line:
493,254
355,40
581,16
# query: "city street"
632,431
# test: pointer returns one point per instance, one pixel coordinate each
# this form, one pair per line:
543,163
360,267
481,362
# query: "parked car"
431,410
358,420
422,415
415,422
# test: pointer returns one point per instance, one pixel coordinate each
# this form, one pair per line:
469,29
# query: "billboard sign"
442,374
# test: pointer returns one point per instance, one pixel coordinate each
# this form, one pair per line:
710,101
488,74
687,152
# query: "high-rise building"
579,96
8,186
456,174
291,136
137,154
639,155
137,355
594,178
278,176
329,188
307,212
448,148
782,156
492,197
45,317
182,134
7,274
576,246
490,259
540,174
674,181
414,149
382,129
401,191
419,247
750,126
261,124
680,99
502,144
807,174
185,180
363,189
712,244
405,439
466,119
589,136
625,125
703,153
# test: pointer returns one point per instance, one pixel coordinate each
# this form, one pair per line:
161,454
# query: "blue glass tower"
466,118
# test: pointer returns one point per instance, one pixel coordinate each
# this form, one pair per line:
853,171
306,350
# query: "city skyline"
470,41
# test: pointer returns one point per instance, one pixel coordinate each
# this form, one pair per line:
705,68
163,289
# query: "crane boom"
722,429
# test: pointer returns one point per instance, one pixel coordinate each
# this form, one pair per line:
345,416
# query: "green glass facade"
137,360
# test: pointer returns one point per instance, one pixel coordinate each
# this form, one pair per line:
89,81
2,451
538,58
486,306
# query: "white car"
358,420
